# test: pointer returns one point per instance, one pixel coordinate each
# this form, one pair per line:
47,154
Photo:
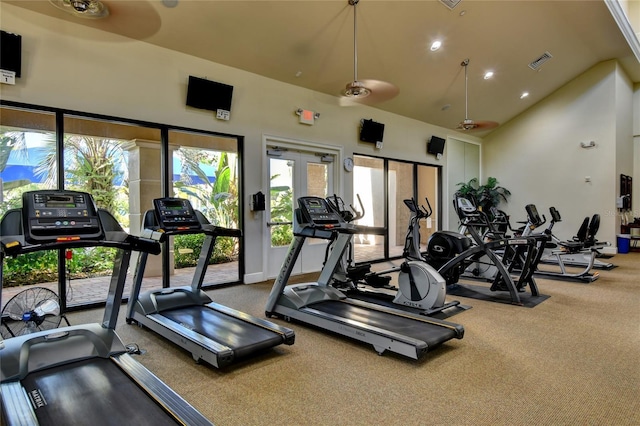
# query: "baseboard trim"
254,278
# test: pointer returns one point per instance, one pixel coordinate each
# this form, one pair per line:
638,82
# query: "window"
382,186
120,164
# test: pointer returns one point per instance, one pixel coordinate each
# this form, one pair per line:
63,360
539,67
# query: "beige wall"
71,66
538,156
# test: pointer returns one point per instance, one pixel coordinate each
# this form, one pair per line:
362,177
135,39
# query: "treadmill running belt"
429,333
93,389
242,337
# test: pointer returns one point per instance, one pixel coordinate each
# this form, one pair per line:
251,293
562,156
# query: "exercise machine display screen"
316,211
175,214
54,215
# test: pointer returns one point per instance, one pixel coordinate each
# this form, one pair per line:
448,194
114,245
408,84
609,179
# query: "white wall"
71,66
538,156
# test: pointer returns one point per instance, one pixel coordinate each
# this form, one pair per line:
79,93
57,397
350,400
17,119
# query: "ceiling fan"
92,9
468,124
366,91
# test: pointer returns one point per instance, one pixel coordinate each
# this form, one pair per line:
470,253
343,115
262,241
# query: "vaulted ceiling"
311,44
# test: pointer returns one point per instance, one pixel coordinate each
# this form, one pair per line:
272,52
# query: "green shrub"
187,250
42,266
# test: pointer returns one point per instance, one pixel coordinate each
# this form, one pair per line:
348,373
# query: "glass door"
294,174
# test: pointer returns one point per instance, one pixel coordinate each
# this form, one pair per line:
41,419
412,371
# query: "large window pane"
205,171
103,158
428,185
368,183
401,178
26,137
281,201
404,180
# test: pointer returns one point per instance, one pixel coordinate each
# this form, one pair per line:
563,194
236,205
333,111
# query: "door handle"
278,223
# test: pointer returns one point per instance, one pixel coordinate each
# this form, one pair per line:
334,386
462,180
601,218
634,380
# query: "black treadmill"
186,315
324,306
55,377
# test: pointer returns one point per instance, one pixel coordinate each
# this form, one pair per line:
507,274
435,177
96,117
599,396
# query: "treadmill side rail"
16,408
174,403
381,340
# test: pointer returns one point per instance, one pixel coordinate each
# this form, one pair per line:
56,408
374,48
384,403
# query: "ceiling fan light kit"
356,89
91,9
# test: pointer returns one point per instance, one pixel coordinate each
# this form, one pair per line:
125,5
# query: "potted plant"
485,196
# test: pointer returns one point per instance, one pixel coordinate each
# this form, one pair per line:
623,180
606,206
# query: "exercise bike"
579,251
563,247
420,287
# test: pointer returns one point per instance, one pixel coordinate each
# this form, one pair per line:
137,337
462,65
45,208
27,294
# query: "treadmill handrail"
119,240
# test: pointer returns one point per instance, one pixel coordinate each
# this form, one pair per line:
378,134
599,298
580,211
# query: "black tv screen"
435,145
370,131
11,52
207,94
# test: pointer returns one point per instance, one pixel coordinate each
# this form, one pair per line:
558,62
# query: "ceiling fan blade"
379,91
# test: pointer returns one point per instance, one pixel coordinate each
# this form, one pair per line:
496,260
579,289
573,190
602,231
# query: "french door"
294,174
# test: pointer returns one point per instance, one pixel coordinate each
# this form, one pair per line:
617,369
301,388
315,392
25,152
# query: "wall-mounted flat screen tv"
370,131
208,94
11,52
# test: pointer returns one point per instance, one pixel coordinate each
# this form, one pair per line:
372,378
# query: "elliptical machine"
419,286
453,253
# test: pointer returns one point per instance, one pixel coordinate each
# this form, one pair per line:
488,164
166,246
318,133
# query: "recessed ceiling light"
436,45
488,75
524,95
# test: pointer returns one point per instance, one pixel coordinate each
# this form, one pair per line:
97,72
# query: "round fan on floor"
31,310
365,91
468,124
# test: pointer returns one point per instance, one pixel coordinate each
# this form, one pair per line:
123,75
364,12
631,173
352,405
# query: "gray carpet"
572,360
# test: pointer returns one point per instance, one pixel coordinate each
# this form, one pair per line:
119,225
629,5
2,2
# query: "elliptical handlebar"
357,214
421,211
337,204
427,211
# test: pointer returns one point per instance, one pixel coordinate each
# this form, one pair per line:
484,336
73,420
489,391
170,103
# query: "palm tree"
11,142
219,198
92,165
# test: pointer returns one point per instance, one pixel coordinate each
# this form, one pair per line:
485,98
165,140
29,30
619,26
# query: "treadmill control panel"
55,215
175,214
316,211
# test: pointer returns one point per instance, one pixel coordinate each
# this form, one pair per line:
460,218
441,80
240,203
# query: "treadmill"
58,376
186,315
321,305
